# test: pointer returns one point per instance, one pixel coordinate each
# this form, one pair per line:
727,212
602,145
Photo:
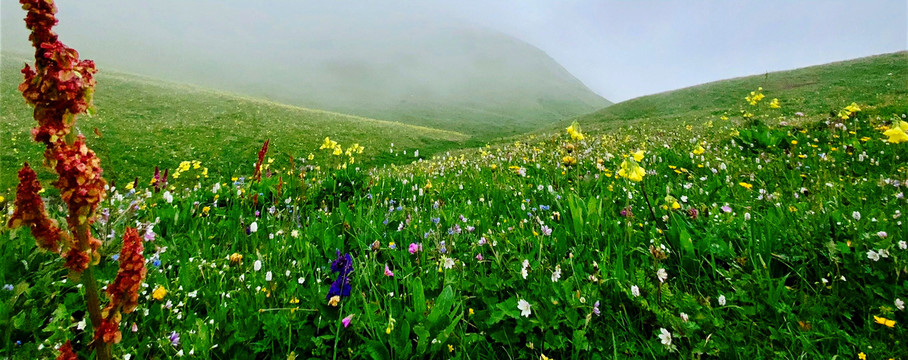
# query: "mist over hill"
391,64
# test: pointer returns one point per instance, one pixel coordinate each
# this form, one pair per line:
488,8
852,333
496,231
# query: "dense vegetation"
752,232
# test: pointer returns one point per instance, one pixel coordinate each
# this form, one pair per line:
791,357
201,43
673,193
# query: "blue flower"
8,287
343,265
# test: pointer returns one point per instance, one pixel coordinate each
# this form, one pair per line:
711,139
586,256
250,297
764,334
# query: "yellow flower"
638,156
205,210
774,104
450,348
159,293
862,356
569,160
853,108
2,199
294,300
334,300
470,311
328,144
676,206
898,134
338,150
574,131
699,150
632,171
236,259
884,321
746,185
388,330
128,186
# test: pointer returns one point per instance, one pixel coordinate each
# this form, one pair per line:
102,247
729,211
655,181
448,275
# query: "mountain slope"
879,83
144,123
401,67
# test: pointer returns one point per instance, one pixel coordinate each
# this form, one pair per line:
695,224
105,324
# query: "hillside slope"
400,67
144,123
879,83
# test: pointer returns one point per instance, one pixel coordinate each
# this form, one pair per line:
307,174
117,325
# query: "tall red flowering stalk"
60,87
258,165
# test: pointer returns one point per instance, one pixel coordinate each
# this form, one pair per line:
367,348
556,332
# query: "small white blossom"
899,304
665,337
662,275
253,227
268,276
721,300
635,291
524,308
873,255
257,265
556,274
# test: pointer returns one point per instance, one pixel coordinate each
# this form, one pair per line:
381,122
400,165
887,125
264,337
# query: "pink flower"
346,321
479,257
414,247
388,272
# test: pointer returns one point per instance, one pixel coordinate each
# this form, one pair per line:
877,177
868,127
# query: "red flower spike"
30,211
109,331
124,291
258,165
80,183
66,352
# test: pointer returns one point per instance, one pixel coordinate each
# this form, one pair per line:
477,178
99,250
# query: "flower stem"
92,302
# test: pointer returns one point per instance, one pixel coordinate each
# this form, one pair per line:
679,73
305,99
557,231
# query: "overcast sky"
620,49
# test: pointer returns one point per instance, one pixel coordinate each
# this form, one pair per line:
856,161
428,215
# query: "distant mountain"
441,74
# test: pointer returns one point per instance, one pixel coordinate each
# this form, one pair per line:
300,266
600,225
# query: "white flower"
81,325
903,245
253,227
168,197
127,357
684,317
295,233
635,291
873,255
524,308
721,300
856,215
883,253
180,353
217,186
747,216
301,280
665,336
449,263
556,274
523,271
662,275
268,276
257,265
899,304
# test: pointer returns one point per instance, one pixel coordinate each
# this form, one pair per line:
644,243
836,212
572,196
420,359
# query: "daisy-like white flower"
635,291
856,215
662,275
556,274
665,336
448,263
524,308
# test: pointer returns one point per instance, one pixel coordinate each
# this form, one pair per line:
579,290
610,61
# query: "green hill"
145,122
399,67
879,83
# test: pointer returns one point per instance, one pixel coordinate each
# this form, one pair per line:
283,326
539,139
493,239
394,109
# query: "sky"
619,49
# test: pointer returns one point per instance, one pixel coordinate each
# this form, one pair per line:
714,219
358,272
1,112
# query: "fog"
344,55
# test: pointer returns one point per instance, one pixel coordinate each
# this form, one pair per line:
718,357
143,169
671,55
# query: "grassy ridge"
879,82
144,123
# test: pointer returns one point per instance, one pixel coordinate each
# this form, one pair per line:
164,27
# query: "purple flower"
346,321
726,208
547,231
626,212
149,234
596,308
175,339
482,241
436,220
8,287
478,257
343,265
442,248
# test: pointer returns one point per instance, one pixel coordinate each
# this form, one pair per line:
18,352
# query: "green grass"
779,236
879,82
146,123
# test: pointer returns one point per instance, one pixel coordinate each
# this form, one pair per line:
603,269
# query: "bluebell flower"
436,220
544,207
115,257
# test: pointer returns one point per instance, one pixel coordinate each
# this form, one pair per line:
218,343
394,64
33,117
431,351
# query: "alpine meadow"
369,186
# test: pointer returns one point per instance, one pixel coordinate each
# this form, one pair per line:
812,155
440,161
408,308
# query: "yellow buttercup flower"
746,185
774,104
884,321
699,150
638,156
328,144
159,293
898,134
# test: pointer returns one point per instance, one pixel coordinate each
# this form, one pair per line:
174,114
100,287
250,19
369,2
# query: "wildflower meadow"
753,232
